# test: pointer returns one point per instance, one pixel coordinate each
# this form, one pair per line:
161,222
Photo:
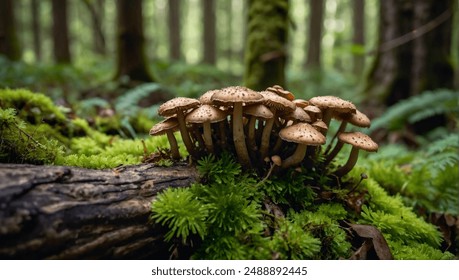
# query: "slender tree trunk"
131,57
209,35
358,35
406,63
316,18
96,9
61,41
9,41
36,30
175,42
265,53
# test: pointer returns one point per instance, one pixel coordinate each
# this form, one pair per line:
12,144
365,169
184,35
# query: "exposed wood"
58,212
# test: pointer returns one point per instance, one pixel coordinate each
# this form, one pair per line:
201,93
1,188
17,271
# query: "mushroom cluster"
265,128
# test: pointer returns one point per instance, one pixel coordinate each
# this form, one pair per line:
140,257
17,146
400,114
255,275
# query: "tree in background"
96,10
36,30
61,41
414,50
131,58
175,41
209,34
316,18
267,32
358,36
9,43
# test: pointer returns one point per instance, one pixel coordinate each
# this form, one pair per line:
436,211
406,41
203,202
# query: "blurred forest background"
81,82
101,58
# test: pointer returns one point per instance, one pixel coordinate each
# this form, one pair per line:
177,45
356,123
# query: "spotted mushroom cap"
206,113
359,140
298,115
281,92
333,102
177,104
320,125
358,119
301,103
302,133
206,98
236,94
259,111
170,124
275,101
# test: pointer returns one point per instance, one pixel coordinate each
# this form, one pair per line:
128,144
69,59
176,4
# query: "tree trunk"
175,41
358,36
59,212
265,54
131,57
96,9
414,50
209,34
61,41
9,41
316,18
36,30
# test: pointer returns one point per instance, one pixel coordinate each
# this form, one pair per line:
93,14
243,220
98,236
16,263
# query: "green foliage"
427,179
417,108
183,212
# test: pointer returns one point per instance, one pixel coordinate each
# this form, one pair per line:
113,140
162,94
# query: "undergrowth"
232,215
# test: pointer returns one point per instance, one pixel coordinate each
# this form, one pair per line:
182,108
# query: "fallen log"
60,212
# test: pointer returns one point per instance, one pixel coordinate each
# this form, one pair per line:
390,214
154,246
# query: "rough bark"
131,57
9,42
313,59
61,40
265,53
209,34
175,41
57,212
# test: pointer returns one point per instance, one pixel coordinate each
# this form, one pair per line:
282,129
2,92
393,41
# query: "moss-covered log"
58,212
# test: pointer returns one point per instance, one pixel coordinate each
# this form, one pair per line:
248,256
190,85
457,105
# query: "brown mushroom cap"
333,102
301,103
359,140
281,92
177,104
170,124
302,133
358,119
236,94
275,101
298,115
206,98
319,125
206,113
259,111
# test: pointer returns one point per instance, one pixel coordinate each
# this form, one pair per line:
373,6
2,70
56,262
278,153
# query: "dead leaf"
377,239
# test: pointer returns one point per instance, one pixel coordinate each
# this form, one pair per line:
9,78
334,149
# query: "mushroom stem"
265,137
238,136
343,170
334,152
251,134
208,137
341,128
326,118
184,132
174,145
296,157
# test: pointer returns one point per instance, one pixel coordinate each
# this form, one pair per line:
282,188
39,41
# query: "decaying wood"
57,212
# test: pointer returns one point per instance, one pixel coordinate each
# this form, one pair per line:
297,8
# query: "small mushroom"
358,119
275,103
304,135
205,115
281,92
168,127
256,112
359,141
178,106
314,112
329,104
237,96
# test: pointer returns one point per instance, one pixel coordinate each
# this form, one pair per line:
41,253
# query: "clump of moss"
232,215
